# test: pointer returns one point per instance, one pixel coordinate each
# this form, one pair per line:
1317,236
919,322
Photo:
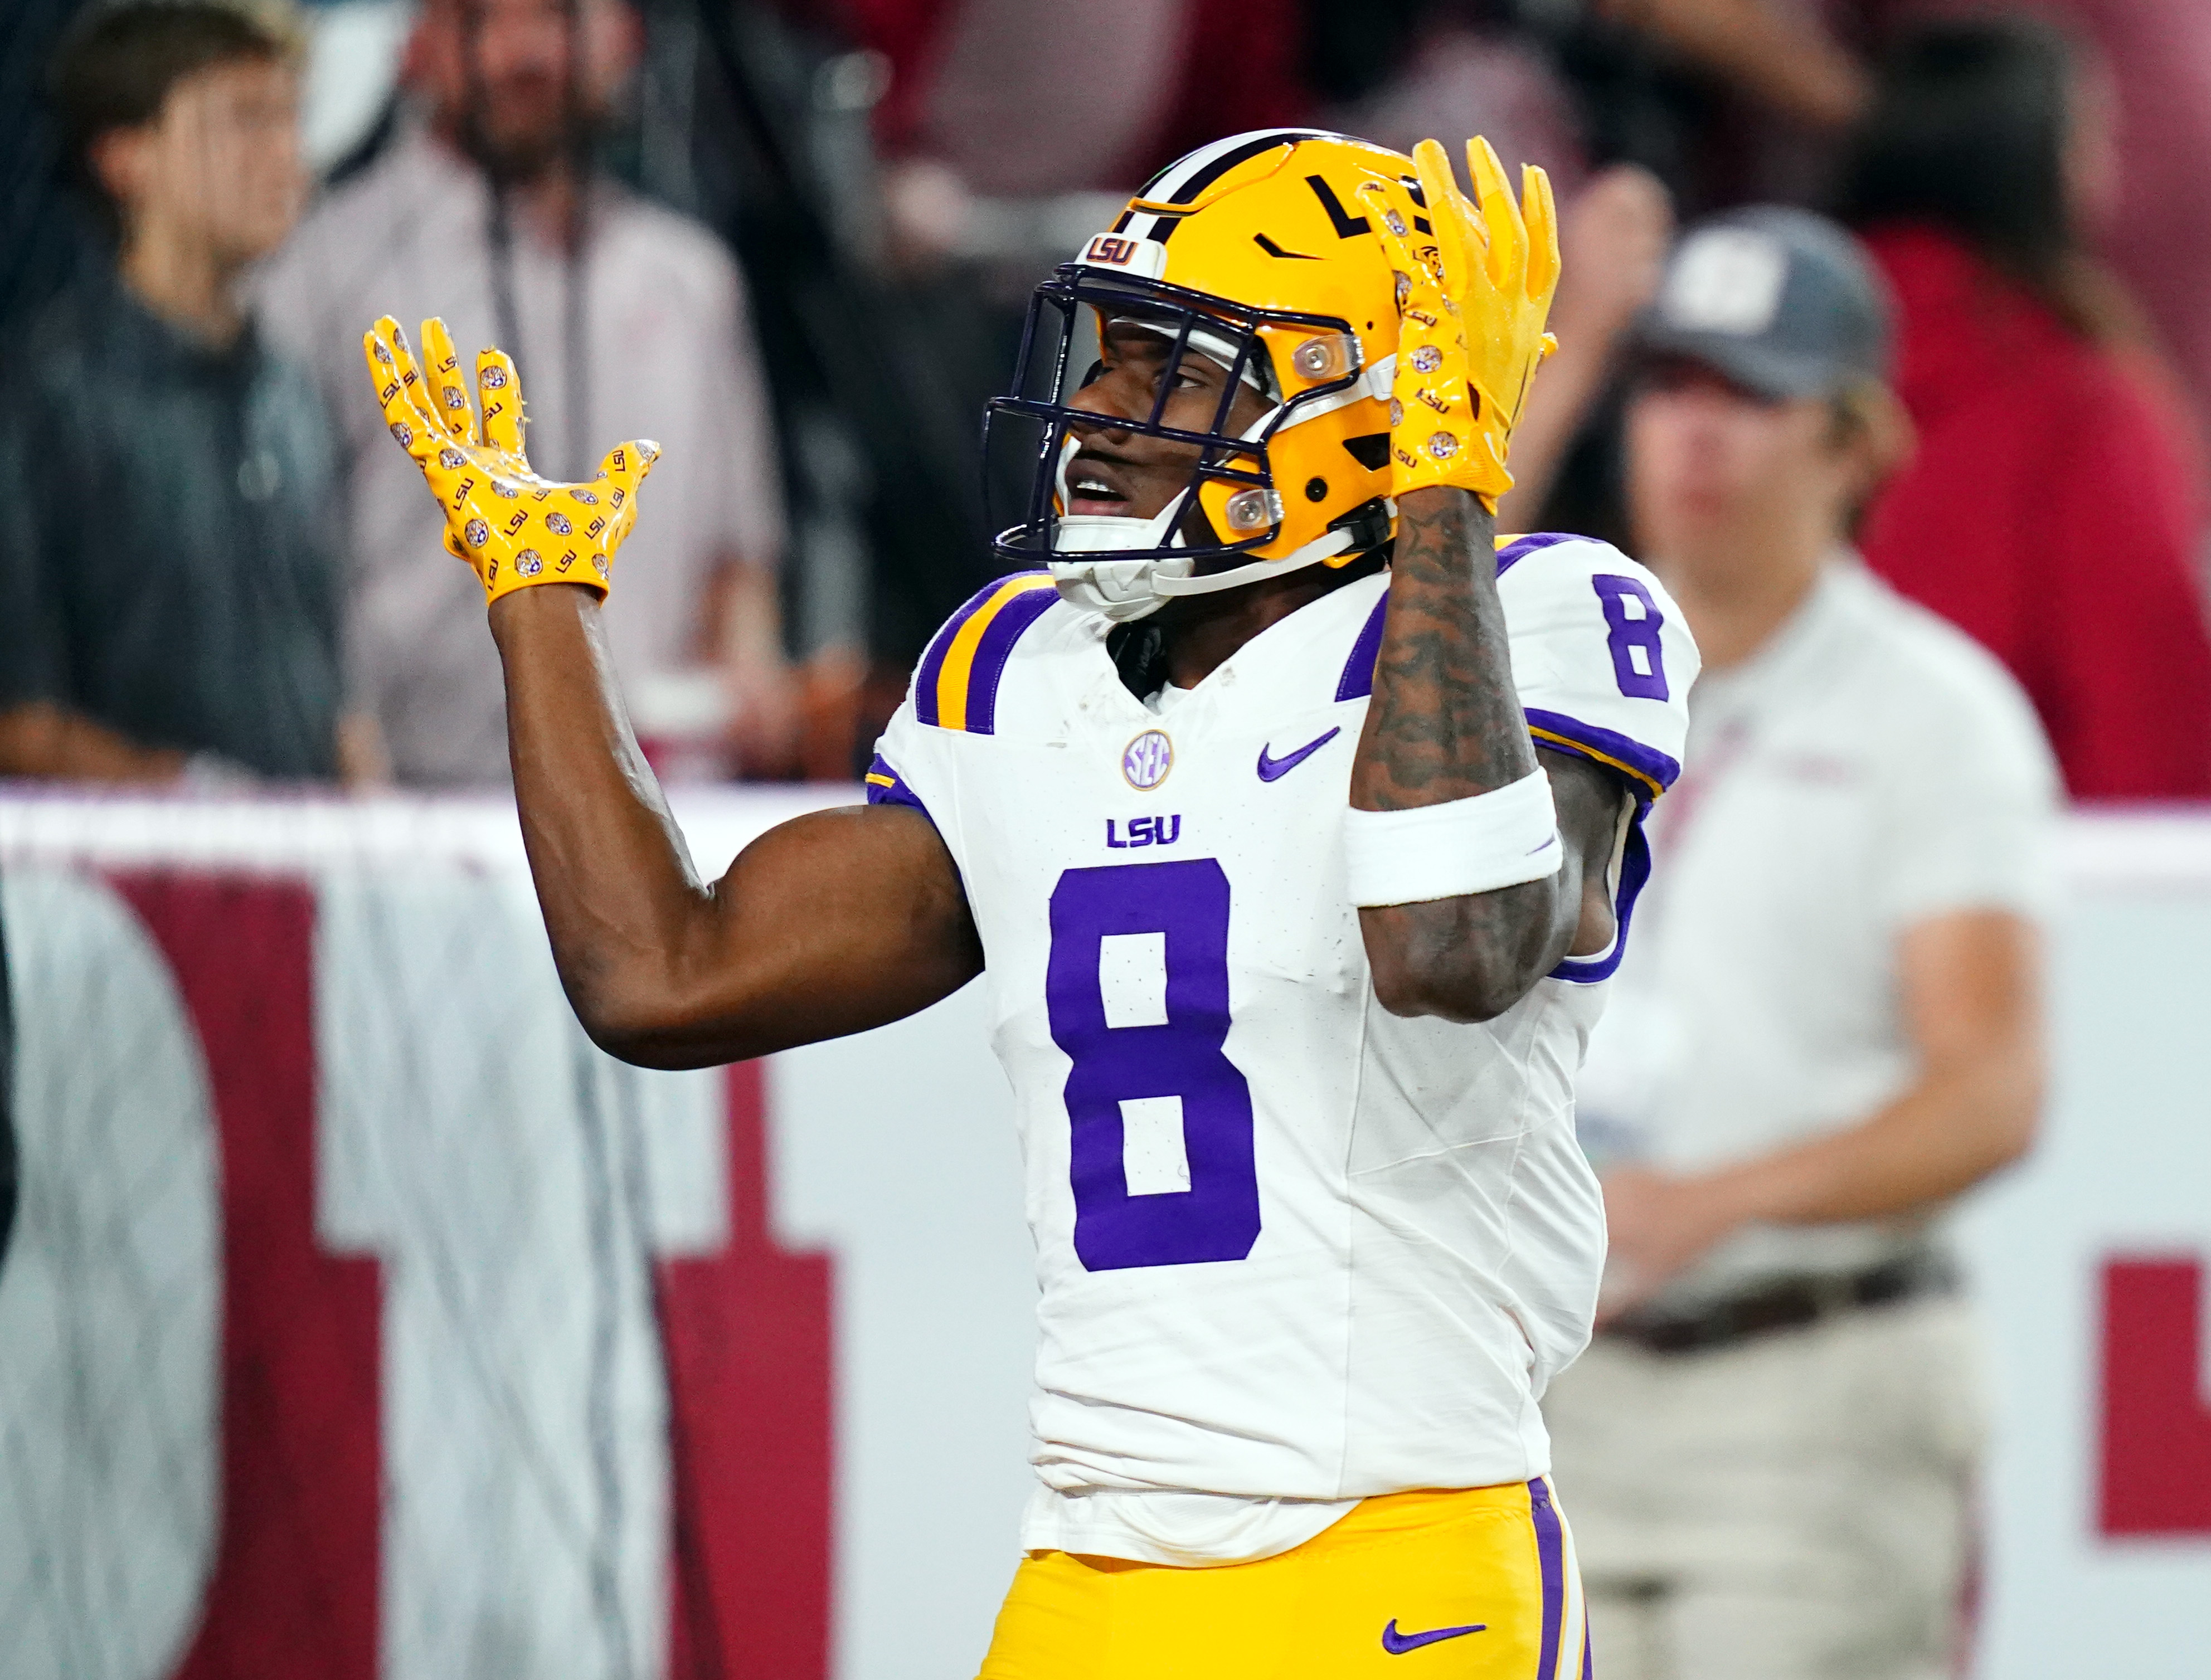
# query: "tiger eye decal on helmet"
1244,256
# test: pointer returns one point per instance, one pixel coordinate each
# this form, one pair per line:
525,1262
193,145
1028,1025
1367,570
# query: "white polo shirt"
669,354
1869,768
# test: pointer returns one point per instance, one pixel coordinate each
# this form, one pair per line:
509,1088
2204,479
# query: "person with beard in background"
626,317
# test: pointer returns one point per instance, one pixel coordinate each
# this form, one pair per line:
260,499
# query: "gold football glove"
1472,299
513,526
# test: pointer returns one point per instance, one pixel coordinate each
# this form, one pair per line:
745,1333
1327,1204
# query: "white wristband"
1446,851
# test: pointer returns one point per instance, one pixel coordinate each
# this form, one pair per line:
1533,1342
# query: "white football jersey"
1291,1247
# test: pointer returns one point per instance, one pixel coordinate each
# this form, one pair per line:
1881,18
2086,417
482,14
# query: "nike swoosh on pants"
1398,1644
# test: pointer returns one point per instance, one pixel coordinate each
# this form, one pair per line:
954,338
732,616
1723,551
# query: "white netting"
368,992
109,1302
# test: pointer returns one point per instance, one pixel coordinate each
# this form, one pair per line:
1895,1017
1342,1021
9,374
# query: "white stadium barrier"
362,1320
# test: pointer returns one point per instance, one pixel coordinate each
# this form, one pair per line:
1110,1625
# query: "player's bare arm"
827,925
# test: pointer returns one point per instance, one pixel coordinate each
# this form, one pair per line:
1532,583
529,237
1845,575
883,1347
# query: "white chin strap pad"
1120,589
1320,548
1127,590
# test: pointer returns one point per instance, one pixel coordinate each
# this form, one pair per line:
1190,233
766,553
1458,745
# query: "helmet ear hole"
1371,450
1316,489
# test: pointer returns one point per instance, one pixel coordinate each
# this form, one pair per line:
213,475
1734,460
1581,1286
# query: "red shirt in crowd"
2052,512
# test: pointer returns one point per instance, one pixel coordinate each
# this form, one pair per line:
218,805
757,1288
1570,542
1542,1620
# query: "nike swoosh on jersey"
1398,1644
1272,769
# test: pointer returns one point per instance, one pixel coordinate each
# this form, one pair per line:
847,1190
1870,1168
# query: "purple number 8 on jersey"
1217,1218
1627,635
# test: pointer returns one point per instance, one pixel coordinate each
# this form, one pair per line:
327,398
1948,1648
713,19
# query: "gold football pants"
1474,1584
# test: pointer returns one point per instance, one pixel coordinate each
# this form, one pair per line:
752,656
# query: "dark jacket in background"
168,559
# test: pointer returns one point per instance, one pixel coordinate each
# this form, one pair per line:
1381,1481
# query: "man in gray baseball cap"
1782,302
1823,1030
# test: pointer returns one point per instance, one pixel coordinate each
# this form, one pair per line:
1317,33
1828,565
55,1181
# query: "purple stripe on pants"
1551,1558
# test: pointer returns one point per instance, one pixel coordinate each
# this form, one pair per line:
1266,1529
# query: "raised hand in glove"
514,528
1472,299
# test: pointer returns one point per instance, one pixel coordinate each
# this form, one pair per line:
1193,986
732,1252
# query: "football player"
1292,821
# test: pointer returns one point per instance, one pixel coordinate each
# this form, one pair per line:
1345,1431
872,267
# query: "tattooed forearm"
1445,723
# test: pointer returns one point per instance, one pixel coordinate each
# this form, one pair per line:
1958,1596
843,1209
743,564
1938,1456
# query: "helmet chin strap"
1320,548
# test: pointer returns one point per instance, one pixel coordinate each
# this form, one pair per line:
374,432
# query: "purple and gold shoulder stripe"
956,686
886,786
1648,770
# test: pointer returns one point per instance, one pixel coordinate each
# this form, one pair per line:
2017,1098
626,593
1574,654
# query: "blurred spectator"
1612,237
171,581
1778,53
1024,97
626,320
1824,1027
1725,100
2152,60
1456,76
1015,128
2055,511
2157,232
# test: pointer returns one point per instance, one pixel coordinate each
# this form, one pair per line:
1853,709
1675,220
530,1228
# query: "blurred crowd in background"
794,243
1925,284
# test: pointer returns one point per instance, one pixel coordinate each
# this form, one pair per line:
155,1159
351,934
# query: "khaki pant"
1794,1508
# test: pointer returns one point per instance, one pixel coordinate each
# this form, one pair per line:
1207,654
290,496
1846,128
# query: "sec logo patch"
1146,760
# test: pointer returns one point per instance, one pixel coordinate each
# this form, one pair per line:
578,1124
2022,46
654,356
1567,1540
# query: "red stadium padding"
2157,1422
747,1335
747,1341
296,1572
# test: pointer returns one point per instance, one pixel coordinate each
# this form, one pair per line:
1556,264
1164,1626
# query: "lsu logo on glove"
471,467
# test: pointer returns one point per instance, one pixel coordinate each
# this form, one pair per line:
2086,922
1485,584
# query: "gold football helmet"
1255,252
